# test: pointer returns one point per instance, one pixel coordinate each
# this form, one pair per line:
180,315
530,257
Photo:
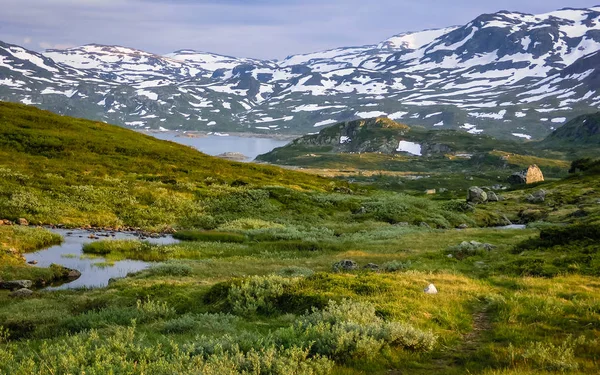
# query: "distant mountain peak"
504,74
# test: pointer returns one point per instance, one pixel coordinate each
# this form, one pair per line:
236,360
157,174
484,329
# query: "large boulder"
22,221
530,175
476,195
15,284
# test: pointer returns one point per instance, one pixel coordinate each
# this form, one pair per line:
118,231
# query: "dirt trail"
470,344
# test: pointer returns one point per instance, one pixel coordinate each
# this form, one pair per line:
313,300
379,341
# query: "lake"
216,145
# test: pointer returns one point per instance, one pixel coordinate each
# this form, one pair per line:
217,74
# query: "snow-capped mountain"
504,74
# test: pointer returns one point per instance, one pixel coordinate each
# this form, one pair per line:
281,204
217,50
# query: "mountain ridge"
504,74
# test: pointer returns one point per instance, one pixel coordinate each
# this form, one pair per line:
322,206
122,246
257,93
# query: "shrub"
170,268
396,265
182,324
210,322
257,294
210,236
549,357
350,329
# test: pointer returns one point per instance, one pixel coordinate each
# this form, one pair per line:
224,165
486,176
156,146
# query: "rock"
425,225
430,191
476,195
537,197
579,213
431,289
371,267
345,265
402,224
463,226
23,292
73,274
443,190
492,197
7,222
16,284
22,221
33,262
530,175
450,256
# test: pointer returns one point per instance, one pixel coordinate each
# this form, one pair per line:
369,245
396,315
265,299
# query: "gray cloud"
254,28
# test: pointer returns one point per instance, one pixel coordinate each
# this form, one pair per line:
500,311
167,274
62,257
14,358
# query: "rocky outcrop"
530,175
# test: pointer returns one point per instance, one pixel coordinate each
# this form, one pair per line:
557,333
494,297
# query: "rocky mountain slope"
582,131
505,74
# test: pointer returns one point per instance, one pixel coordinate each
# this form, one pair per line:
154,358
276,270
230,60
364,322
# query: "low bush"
170,268
210,236
396,265
549,357
257,294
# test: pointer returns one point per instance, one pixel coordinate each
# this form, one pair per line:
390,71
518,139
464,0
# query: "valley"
276,271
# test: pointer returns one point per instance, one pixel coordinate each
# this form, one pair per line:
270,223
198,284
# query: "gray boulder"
476,195
16,284
537,197
492,197
371,267
345,265
23,292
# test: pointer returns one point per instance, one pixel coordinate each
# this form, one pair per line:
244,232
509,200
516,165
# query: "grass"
251,289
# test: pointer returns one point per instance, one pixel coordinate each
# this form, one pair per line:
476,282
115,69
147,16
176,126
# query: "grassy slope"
57,169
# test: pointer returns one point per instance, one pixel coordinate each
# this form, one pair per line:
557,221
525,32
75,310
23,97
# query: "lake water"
70,255
216,145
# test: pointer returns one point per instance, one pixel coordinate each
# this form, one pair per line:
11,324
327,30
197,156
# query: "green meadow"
256,284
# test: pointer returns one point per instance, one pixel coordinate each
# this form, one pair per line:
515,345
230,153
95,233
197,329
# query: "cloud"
27,40
253,28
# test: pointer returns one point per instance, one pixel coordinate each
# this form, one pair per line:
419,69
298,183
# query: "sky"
267,29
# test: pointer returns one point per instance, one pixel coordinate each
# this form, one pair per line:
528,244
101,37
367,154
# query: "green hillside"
56,169
581,132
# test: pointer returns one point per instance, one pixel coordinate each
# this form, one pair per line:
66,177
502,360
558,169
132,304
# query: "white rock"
431,289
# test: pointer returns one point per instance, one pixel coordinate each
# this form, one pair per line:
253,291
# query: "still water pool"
95,271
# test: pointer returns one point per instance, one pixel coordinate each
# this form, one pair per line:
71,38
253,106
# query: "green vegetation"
251,288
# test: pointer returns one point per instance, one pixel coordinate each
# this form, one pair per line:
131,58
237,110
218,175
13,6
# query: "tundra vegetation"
251,288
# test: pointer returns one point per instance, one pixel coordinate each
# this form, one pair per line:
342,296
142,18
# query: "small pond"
95,272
